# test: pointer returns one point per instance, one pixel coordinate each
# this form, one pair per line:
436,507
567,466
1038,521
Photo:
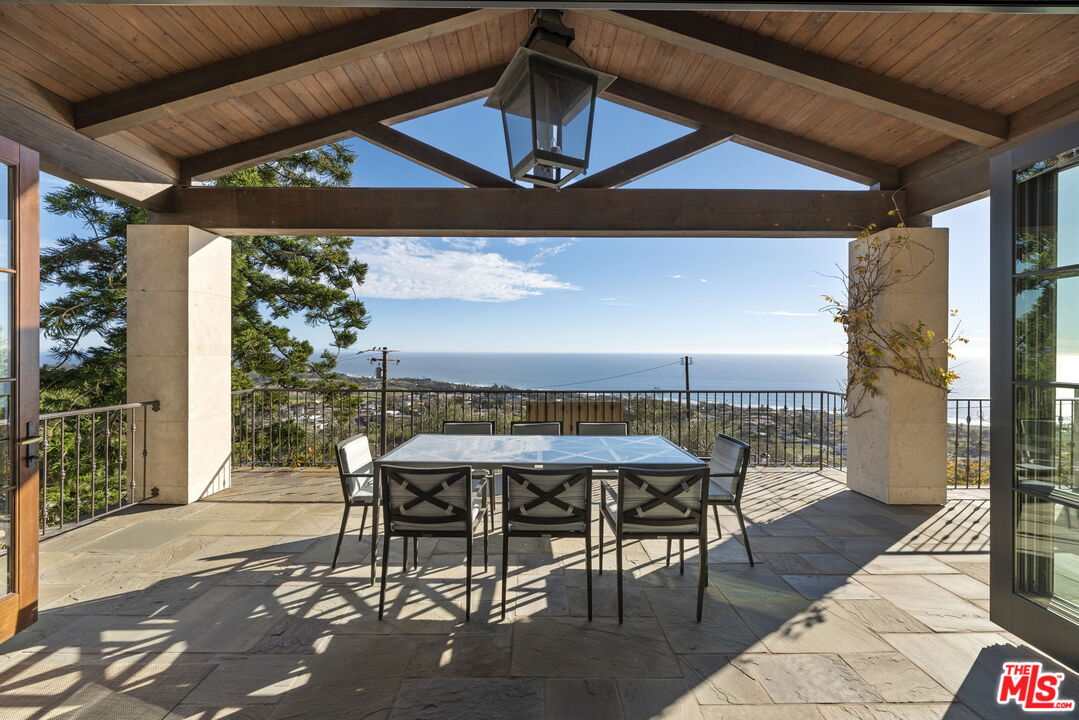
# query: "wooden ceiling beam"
336,127
122,168
959,173
753,134
653,160
736,6
819,73
187,91
495,212
431,157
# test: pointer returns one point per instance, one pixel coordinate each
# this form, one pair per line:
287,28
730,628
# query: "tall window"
1046,383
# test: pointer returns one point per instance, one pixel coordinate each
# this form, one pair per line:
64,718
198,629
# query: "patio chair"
522,427
358,486
555,502
727,467
431,502
470,427
475,427
657,504
602,428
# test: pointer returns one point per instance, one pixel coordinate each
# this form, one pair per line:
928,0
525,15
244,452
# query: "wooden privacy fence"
570,412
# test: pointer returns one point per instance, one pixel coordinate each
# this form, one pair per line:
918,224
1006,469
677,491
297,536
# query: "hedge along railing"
88,463
299,427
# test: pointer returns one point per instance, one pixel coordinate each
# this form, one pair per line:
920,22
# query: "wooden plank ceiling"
989,66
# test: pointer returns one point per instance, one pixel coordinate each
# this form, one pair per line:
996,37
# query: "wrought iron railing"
968,442
298,427
92,463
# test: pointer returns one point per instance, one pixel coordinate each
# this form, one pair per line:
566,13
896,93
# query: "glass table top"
547,450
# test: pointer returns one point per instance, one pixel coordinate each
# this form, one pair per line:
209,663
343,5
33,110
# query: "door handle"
30,442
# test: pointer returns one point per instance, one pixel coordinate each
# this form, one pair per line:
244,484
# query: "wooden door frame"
19,609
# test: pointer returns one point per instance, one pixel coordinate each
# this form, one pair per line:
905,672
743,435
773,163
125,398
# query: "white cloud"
466,243
702,280
411,269
519,241
674,277
548,251
782,313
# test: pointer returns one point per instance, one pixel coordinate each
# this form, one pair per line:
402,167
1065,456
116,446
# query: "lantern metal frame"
538,55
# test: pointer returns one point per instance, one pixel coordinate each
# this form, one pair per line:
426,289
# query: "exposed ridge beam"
255,71
653,160
819,73
495,212
753,134
431,157
336,127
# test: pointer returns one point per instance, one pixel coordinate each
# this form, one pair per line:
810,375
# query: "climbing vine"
874,345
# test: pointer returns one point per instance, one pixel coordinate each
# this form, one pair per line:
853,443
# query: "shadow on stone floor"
824,625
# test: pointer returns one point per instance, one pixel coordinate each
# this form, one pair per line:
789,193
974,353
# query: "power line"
612,377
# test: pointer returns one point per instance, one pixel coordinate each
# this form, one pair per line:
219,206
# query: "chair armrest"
730,475
357,474
605,487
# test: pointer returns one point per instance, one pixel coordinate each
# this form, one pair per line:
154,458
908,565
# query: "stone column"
179,337
897,446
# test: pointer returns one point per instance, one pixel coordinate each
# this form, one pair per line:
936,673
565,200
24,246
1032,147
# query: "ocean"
616,371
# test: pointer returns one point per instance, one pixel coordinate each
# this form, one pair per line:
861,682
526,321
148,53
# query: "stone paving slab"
228,608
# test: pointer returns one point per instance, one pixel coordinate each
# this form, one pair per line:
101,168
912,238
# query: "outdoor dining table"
491,452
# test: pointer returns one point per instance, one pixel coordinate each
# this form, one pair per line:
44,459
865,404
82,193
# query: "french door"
1034,503
19,308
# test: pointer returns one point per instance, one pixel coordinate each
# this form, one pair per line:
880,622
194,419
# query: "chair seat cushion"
361,489
453,526
721,490
610,509
517,526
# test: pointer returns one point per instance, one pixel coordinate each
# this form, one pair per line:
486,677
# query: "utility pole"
686,362
381,372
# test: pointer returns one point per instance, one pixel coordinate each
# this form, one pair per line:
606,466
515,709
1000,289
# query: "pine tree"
274,278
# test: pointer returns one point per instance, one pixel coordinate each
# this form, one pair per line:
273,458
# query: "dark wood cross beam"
653,160
508,212
431,157
339,126
753,134
819,73
227,79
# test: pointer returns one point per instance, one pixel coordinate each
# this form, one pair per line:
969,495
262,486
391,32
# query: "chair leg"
485,526
505,566
681,556
404,558
715,514
340,536
588,567
363,523
415,553
602,522
374,538
618,561
703,579
668,552
468,578
385,567
745,535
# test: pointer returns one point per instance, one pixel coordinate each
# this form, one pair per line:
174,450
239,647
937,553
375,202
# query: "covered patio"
228,608
213,596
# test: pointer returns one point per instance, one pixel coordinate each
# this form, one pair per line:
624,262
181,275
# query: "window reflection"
1047,328
1045,438
1047,553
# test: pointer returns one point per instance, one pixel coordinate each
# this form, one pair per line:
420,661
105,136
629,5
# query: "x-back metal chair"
727,466
552,501
468,427
525,427
354,465
657,504
430,502
602,428
476,427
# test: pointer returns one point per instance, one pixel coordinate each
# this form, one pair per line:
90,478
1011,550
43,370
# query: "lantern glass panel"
563,110
517,116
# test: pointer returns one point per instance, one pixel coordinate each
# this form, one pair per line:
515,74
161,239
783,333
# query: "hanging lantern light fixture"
547,97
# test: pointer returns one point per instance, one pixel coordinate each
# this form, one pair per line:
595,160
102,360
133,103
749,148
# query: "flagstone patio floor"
227,608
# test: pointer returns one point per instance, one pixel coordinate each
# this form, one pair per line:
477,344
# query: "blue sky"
617,294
